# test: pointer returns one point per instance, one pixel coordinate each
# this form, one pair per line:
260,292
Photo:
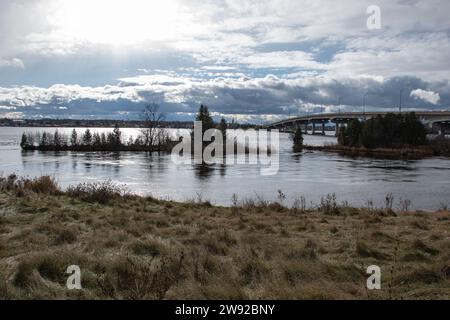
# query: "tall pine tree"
206,119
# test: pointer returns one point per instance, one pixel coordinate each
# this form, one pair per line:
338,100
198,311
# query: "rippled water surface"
312,175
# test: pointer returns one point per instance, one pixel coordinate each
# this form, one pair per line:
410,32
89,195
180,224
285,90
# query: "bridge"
439,120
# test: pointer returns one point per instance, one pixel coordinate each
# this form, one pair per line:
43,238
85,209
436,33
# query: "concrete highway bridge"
317,123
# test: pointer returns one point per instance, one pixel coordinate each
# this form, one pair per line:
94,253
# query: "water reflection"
297,157
153,163
308,174
205,171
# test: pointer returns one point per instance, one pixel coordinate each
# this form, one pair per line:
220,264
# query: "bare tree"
152,132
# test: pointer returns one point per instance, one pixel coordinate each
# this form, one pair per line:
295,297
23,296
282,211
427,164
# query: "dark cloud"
257,97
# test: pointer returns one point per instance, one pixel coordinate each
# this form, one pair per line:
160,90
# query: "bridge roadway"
441,119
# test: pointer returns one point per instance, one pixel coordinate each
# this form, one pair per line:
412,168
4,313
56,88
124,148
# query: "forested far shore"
84,123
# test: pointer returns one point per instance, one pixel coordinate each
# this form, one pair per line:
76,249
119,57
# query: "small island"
153,137
390,136
148,141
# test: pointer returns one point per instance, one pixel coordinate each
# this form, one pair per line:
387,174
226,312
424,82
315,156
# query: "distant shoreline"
45,123
69,123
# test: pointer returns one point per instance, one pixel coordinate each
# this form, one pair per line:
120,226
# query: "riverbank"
131,247
438,148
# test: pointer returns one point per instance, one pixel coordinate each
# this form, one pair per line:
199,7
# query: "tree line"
152,137
391,130
91,141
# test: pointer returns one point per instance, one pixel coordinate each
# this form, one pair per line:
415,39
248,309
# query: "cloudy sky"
252,60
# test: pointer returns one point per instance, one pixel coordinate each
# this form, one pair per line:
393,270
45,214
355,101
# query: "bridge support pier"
304,128
442,128
323,128
339,124
313,128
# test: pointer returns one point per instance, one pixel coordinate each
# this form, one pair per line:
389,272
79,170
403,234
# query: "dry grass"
142,248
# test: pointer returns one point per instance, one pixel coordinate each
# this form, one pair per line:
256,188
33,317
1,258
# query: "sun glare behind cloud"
119,22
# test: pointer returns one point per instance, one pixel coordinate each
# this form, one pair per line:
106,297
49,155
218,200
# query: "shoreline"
164,148
407,153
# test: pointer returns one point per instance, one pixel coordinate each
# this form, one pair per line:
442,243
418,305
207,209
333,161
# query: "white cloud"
428,96
420,55
11,63
26,96
282,59
225,51
11,115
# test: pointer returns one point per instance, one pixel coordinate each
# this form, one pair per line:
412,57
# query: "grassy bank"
132,247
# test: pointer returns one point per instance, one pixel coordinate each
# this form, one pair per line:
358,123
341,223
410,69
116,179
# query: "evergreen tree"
354,133
297,138
74,138
384,132
414,131
223,126
24,141
206,119
103,139
116,138
96,139
57,139
367,135
45,140
87,138
343,136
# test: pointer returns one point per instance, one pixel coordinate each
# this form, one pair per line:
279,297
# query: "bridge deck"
345,116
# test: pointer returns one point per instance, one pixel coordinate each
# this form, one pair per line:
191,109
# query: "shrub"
9,183
253,271
152,247
99,192
328,205
44,184
136,279
59,233
24,275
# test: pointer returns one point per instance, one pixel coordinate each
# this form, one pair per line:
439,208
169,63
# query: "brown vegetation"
132,247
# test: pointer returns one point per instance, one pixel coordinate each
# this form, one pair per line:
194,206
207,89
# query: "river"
426,183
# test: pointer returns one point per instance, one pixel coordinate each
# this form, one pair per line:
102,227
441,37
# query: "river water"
426,183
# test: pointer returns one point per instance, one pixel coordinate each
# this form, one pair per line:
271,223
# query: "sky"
248,60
